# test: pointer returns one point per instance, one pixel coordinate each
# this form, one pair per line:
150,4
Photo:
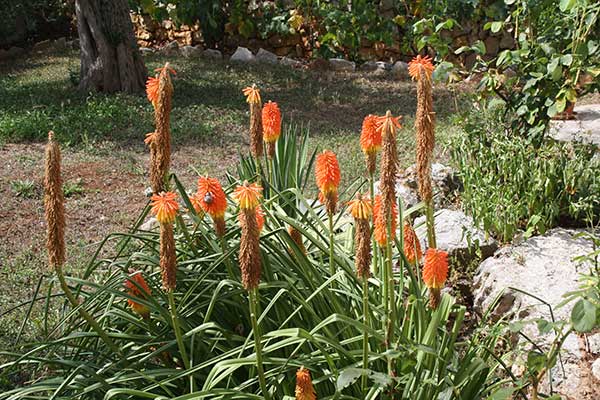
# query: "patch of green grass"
23,188
74,188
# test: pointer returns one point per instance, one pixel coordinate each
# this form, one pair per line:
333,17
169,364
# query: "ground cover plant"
250,289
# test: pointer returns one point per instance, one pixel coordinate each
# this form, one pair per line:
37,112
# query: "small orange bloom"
211,196
149,138
360,208
327,171
420,64
435,268
152,89
248,195
260,217
142,291
304,385
412,246
164,206
387,122
370,136
271,121
252,94
380,225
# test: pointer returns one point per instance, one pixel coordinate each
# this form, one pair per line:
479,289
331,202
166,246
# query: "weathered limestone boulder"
543,266
400,70
170,48
191,51
585,128
212,54
319,64
243,55
456,233
266,57
290,62
341,65
146,51
445,182
42,46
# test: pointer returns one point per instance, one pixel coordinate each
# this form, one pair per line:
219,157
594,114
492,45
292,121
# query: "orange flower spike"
412,246
435,268
380,226
304,386
141,290
260,217
360,208
152,84
252,94
420,65
327,171
248,195
271,121
165,207
386,122
370,136
211,197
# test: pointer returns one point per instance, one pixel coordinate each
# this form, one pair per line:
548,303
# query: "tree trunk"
110,58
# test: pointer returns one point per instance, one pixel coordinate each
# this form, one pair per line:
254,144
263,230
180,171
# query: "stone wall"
155,34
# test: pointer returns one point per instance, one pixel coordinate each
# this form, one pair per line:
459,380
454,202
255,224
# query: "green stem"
365,332
253,301
84,314
431,242
331,263
390,289
178,337
227,261
375,250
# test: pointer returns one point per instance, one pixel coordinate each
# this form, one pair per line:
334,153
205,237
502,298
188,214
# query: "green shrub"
309,317
511,184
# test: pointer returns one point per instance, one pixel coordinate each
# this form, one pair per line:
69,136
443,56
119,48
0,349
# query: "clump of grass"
73,188
24,188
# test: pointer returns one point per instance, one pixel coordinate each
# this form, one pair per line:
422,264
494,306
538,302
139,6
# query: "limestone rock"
290,62
596,369
341,65
445,182
585,128
42,46
400,70
170,48
146,51
265,56
319,64
212,54
543,266
191,51
243,55
456,233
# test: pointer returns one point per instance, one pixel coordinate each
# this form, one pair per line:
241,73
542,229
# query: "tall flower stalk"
389,168
328,176
254,101
361,210
160,93
165,207
370,143
248,197
304,386
271,122
54,207
421,69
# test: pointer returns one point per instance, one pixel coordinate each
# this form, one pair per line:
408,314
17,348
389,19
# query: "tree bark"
110,58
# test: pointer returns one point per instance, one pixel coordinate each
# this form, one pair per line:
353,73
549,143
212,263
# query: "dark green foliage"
513,184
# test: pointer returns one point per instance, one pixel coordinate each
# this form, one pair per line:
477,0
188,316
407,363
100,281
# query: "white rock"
243,55
585,128
290,62
594,343
341,65
146,51
456,233
265,56
191,51
170,48
542,266
445,182
596,369
212,54
400,70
